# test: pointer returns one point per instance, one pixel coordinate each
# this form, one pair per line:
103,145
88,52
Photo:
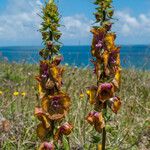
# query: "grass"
128,130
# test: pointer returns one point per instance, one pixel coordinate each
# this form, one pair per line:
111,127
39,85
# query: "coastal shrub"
53,102
106,60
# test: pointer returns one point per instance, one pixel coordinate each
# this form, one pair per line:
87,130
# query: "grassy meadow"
128,130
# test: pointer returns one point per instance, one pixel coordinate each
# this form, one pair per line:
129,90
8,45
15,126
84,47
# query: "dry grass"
128,130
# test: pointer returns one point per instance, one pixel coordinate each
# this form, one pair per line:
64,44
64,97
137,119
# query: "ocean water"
137,57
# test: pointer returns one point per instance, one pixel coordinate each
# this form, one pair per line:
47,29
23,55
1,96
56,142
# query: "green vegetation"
128,130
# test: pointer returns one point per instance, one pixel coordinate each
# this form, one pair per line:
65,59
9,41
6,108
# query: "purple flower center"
112,60
96,114
106,86
62,129
48,146
99,44
45,74
44,69
99,40
55,103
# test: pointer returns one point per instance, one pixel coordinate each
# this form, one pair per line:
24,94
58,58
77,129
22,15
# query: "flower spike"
54,103
106,60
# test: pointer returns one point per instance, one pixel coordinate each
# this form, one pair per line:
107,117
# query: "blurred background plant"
129,129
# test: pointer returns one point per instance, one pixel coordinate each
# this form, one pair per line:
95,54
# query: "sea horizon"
70,45
132,56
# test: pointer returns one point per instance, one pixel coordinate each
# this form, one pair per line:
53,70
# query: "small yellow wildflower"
91,93
81,95
1,92
16,93
23,94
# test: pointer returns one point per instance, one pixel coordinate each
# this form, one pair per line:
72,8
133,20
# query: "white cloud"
126,29
135,26
77,26
19,22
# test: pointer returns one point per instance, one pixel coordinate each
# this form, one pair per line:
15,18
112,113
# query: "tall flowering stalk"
53,102
106,60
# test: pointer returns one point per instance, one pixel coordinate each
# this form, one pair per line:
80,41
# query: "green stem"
104,17
84,125
68,143
104,129
53,128
103,138
105,104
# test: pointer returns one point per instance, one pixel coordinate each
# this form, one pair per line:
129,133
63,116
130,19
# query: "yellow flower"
81,95
57,73
23,94
91,93
117,79
114,104
96,119
65,129
97,43
42,116
41,131
106,60
109,41
45,126
105,91
40,90
16,93
118,76
1,92
57,105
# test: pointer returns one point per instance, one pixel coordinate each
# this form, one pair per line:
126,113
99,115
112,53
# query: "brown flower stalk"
54,103
106,60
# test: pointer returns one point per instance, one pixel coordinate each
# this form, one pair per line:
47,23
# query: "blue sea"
136,56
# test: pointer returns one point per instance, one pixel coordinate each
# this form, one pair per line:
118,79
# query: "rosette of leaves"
54,103
106,61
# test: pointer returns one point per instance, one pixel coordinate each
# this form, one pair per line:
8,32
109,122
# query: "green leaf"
65,144
95,139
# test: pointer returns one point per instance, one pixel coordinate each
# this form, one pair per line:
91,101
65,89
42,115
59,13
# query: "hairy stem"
104,129
103,138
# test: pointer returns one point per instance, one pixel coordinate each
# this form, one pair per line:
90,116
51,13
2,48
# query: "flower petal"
105,91
41,131
109,41
56,106
91,92
65,129
47,146
42,116
115,104
96,119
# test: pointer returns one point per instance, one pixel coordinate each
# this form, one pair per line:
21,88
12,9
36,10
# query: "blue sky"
19,21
